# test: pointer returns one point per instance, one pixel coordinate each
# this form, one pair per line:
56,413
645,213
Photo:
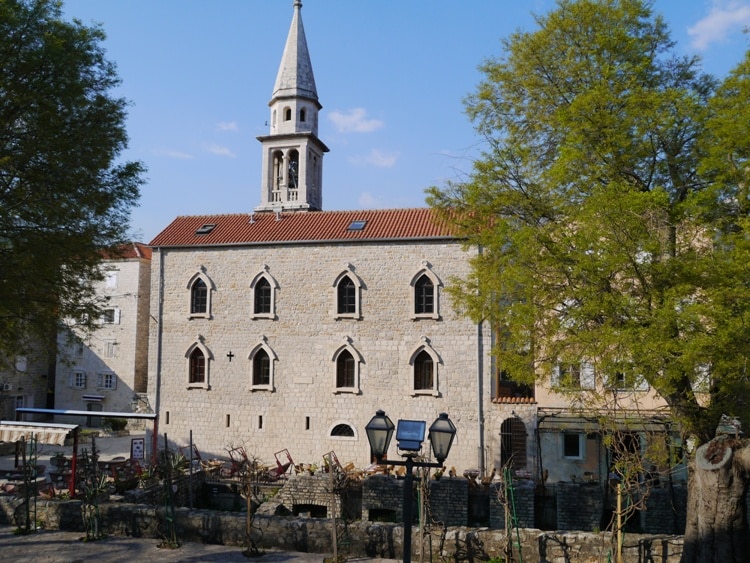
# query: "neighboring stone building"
26,382
108,370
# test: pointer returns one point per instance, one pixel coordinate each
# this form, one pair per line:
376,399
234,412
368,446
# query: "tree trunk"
717,529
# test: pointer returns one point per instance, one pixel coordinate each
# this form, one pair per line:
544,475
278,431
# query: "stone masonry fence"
284,522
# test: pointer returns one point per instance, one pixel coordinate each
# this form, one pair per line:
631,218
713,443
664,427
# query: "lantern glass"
442,433
379,432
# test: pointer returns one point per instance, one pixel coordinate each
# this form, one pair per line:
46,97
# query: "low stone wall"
360,538
182,485
304,492
579,506
523,503
666,510
382,498
448,501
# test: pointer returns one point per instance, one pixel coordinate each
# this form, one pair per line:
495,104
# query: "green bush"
116,424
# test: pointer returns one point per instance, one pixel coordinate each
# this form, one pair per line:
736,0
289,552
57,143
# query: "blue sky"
391,76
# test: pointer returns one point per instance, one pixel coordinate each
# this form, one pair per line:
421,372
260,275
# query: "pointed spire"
295,77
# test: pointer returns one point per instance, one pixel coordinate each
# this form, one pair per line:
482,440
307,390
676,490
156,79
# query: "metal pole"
190,474
333,508
74,465
618,555
408,483
155,441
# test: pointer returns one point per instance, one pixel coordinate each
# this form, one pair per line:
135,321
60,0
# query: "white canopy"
45,432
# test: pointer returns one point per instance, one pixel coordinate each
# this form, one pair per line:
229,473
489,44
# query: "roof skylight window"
356,225
205,229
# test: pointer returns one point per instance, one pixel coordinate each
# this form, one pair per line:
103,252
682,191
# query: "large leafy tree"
611,209
64,194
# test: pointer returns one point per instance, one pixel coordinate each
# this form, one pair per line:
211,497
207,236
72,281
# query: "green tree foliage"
64,195
611,209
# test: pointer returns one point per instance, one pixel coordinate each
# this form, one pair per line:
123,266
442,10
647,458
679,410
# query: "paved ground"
52,546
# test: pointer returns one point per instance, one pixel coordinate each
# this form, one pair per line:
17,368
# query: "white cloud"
368,201
227,126
219,150
724,18
354,121
376,158
173,154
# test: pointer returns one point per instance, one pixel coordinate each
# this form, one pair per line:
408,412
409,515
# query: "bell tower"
292,153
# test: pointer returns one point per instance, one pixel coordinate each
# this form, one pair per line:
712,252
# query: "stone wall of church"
303,407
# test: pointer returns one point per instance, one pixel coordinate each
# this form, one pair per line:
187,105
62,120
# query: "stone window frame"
358,286
573,376
337,423
21,363
581,445
110,316
272,359
630,382
78,379
274,285
110,348
425,346
425,269
208,358
106,380
111,278
358,360
210,288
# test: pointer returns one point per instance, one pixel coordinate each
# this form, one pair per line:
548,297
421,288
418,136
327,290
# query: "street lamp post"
410,435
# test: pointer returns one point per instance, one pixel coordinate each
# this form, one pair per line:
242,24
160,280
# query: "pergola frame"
102,414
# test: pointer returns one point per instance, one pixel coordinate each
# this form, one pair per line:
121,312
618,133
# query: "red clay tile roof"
129,251
514,400
300,227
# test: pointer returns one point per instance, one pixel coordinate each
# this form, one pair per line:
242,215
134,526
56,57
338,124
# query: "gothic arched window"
345,370
262,297
261,368
197,366
424,296
347,296
199,297
424,375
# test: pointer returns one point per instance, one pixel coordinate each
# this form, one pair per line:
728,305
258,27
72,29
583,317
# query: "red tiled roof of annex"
128,251
302,227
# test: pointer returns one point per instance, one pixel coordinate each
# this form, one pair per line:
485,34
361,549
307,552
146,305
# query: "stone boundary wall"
362,538
666,510
181,482
523,497
448,501
383,493
312,490
579,506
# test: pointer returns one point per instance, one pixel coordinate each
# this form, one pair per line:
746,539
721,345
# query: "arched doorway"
513,443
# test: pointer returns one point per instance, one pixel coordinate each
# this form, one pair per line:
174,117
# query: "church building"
288,327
